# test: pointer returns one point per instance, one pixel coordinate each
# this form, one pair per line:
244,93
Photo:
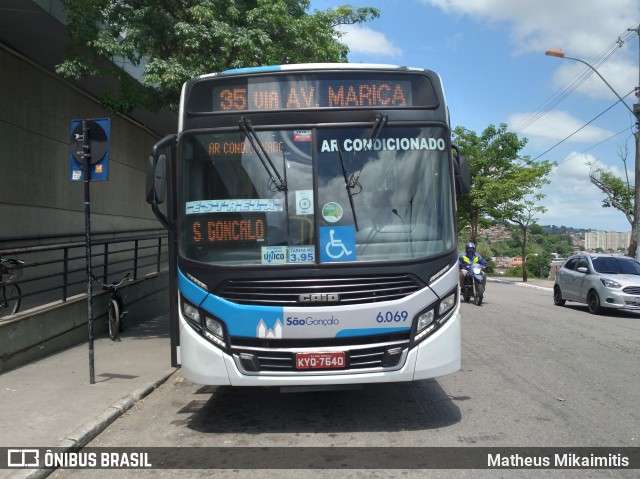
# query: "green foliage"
619,193
501,179
539,265
541,246
539,240
175,40
515,272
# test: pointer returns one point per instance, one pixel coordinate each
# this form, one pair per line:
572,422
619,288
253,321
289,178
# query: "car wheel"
593,302
557,296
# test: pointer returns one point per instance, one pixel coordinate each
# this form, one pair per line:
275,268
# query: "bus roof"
311,66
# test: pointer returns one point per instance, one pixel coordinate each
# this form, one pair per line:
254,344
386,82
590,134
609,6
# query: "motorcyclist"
466,259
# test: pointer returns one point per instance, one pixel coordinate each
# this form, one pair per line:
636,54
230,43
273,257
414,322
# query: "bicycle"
115,307
11,293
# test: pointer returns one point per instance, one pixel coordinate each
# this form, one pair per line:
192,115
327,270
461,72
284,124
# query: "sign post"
89,162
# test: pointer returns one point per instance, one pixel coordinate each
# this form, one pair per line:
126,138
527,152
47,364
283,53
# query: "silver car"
599,280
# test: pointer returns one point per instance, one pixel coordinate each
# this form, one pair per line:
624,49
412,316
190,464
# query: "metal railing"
56,271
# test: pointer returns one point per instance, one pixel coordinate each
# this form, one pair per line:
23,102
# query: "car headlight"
609,283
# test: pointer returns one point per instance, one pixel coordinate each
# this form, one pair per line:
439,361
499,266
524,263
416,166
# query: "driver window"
571,264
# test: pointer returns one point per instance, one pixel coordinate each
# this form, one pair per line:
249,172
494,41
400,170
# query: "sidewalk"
51,403
531,282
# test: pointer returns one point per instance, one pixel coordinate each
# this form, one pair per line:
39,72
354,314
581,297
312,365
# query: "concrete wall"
37,196
42,331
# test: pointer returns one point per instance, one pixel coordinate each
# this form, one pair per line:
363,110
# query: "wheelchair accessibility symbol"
337,243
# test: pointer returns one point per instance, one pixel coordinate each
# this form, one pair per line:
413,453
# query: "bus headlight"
211,328
214,331
191,312
424,324
446,305
214,327
425,319
430,319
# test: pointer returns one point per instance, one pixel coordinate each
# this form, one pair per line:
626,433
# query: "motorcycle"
474,284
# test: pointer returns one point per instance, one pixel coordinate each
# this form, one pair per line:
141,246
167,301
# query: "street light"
635,230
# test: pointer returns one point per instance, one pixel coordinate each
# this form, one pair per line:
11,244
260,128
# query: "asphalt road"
533,374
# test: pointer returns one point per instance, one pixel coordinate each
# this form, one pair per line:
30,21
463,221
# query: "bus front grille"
358,357
319,291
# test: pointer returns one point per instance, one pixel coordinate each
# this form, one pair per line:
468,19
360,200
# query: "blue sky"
490,54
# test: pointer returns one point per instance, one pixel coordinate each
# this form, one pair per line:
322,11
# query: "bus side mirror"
463,178
461,173
155,179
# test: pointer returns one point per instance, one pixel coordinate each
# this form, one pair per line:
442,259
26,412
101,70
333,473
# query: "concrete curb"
520,283
91,429
536,286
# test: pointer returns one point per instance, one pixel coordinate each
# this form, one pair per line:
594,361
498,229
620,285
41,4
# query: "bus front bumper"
437,355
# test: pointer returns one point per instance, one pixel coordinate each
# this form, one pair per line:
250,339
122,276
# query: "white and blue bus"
312,218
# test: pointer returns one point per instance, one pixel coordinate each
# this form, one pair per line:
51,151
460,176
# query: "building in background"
609,241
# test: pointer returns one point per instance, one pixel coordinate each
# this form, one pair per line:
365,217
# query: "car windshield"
612,265
315,195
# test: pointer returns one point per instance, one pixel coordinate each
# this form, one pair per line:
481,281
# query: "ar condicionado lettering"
228,230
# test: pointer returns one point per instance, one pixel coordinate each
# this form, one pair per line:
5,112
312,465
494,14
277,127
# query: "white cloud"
573,201
622,76
556,126
367,41
566,24
583,29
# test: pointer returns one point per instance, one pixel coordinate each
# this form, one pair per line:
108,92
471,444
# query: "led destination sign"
248,228
288,92
295,95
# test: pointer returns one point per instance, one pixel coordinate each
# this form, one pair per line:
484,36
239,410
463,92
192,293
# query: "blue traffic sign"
99,133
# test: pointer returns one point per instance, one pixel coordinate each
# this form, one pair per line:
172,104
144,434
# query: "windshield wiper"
378,125
346,182
250,133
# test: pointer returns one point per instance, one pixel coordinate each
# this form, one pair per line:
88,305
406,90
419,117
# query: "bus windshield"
319,195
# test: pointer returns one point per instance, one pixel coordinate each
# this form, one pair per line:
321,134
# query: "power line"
593,146
572,85
583,126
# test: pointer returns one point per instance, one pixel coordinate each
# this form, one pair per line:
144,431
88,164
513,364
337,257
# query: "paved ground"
51,403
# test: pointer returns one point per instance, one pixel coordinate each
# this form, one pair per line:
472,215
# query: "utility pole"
635,225
635,228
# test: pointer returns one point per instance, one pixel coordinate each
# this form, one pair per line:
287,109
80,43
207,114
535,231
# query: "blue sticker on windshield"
337,243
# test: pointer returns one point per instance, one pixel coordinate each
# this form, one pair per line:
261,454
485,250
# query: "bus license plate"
329,360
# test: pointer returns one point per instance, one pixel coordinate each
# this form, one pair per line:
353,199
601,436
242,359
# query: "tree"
500,177
539,265
619,193
174,40
523,213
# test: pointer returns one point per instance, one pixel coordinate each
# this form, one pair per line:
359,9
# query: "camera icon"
23,457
